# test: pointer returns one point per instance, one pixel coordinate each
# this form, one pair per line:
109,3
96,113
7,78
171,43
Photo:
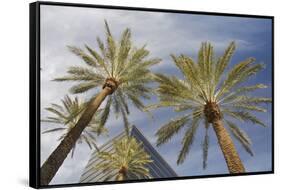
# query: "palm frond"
101,48
242,90
124,49
244,116
134,63
119,61
206,61
73,150
241,136
223,61
81,74
247,107
125,120
100,60
89,143
207,85
104,115
68,114
58,107
116,106
166,132
187,140
53,130
122,99
79,52
53,120
137,102
107,29
127,153
111,49
172,87
137,90
83,87
205,148
235,76
247,100
56,112
191,74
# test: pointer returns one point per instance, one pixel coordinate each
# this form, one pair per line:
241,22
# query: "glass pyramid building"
159,168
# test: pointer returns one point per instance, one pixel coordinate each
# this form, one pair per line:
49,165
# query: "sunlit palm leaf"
242,90
236,75
166,132
104,115
68,114
53,130
127,153
241,136
205,148
209,81
79,52
223,62
118,60
187,140
244,116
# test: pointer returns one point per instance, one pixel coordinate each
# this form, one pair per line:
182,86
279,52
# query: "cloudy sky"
164,33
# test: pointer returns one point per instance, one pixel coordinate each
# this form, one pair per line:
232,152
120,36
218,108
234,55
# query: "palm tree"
122,71
209,95
67,115
127,158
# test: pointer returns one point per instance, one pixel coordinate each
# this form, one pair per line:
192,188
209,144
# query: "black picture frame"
34,83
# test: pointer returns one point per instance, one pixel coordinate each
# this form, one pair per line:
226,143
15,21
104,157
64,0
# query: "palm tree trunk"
55,160
120,177
122,174
230,154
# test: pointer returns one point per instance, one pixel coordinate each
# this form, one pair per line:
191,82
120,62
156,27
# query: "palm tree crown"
118,65
67,115
205,94
127,158
122,71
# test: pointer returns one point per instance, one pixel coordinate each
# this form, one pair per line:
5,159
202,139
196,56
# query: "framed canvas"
123,94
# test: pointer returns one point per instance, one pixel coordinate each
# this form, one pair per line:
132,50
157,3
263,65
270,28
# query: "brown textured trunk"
55,160
230,154
120,177
122,174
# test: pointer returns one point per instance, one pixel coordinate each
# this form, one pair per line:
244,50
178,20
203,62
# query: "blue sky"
164,33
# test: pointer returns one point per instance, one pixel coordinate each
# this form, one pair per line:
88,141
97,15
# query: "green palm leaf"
67,115
205,148
118,61
104,115
187,141
166,132
53,130
223,61
209,91
128,158
244,116
241,136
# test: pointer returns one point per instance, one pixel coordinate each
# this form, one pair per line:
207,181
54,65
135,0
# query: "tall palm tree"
128,158
122,71
67,115
209,94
